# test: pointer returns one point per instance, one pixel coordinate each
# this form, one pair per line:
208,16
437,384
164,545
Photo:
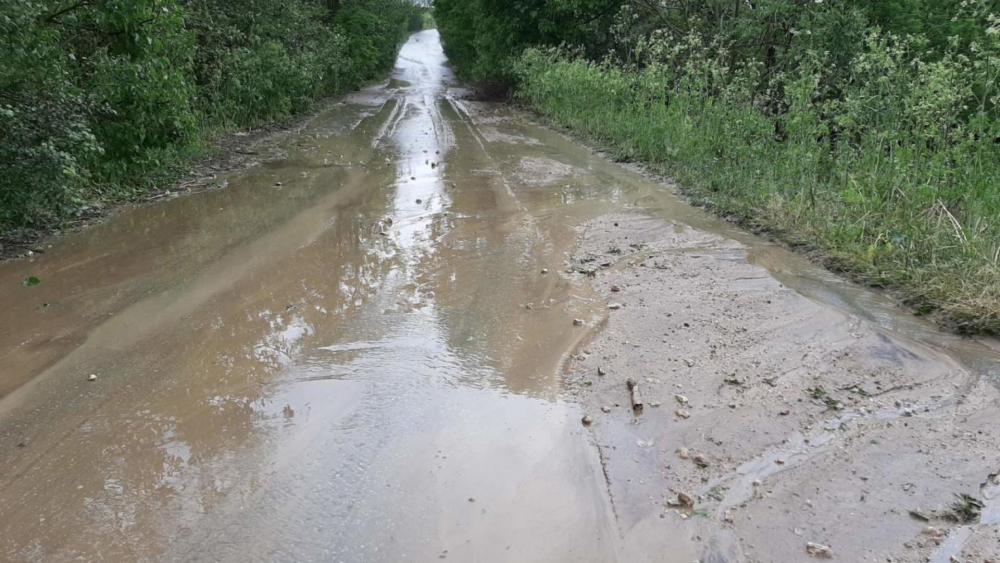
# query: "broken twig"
636,397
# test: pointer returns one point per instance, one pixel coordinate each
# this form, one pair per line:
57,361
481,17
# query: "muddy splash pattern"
378,346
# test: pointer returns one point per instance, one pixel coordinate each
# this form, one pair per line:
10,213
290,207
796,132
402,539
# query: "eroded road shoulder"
774,428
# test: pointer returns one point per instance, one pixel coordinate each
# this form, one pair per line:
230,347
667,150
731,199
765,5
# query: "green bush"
364,28
44,127
258,60
483,38
101,99
415,21
893,180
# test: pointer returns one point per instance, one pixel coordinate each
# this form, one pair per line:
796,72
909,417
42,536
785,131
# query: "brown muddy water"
355,351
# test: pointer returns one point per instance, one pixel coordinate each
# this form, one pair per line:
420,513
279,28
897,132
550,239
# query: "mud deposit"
379,346
784,420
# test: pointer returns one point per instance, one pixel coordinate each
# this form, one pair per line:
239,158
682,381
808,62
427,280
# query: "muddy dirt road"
378,345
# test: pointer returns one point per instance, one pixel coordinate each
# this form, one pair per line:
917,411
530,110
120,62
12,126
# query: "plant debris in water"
965,508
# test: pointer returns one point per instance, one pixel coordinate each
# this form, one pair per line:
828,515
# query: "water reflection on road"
362,363
339,367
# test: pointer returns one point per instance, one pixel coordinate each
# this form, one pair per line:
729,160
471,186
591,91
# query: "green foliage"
101,98
258,61
366,26
44,129
891,173
417,20
483,38
427,19
864,130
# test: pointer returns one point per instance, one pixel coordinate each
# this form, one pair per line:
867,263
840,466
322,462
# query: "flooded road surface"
329,360
356,351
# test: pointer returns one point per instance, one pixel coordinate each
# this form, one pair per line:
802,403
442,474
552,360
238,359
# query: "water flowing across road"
353,352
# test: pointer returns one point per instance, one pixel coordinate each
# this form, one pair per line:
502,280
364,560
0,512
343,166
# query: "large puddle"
351,353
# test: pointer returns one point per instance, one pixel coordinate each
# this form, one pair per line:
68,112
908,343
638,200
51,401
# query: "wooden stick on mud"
636,398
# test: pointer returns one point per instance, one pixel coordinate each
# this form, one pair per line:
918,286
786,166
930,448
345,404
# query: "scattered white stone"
817,550
700,460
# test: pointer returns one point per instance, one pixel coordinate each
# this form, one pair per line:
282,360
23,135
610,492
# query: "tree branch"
52,17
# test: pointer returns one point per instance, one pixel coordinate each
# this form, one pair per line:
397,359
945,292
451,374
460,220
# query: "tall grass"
894,179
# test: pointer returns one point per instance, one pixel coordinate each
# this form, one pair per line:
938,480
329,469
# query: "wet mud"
787,420
379,347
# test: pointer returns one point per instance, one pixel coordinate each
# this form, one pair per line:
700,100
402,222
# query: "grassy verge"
899,196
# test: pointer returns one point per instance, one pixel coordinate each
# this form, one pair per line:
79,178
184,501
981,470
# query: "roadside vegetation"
101,100
864,132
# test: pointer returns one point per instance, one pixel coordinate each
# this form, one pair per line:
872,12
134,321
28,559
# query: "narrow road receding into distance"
359,350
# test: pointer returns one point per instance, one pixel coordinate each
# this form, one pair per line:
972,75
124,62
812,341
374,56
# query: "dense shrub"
416,20
483,38
257,60
100,98
44,122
